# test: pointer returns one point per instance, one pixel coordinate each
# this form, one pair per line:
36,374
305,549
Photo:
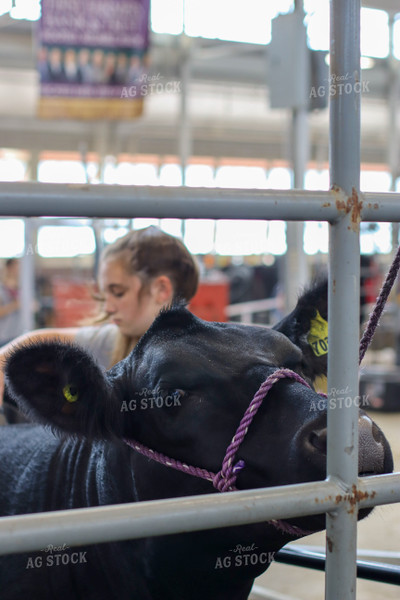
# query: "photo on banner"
89,52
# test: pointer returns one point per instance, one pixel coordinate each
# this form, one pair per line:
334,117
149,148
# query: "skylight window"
12,169
5,6
241,177
218,19
200,235
65,241
25,9
233,19
317,20
12,237
374,33
61,171
167,16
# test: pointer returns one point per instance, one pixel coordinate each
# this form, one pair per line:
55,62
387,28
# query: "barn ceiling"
228,105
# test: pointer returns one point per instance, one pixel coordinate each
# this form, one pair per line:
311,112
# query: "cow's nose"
371,453
318,439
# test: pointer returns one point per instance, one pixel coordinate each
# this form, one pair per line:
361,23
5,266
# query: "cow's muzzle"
374,454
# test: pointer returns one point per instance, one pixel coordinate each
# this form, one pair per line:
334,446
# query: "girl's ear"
162,290
62,385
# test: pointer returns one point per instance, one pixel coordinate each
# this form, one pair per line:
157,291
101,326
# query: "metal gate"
342,493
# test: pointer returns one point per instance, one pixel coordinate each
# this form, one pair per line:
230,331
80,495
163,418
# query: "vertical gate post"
27,278
344,278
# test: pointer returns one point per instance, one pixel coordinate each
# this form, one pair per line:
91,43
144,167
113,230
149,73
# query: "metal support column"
295,262
27,278
27,263
185,132
393,102
342,459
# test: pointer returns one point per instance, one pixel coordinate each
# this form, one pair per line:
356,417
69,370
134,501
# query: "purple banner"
92,48
106,23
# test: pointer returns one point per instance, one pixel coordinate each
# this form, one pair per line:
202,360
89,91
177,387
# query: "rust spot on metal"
326,205
351,205
356,209
342,205
329,543
357,496
353,498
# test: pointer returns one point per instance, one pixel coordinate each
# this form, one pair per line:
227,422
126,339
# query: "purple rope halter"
380,305
225,479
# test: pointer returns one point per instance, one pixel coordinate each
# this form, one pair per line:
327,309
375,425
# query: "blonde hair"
149,253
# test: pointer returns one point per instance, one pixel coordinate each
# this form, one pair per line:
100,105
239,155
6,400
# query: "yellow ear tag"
318,335
70,393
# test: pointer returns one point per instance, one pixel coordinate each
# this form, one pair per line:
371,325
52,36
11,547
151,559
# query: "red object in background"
73,303
210,301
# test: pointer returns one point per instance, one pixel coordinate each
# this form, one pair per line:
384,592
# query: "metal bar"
253,306
105,201
379,206
161,517
385,556
344,294
128,521
185,130
313,560
295,262
116,201
379,489
27,279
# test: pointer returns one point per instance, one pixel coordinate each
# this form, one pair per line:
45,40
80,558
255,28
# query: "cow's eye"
70,393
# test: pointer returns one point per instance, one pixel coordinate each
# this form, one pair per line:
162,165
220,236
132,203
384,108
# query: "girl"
141,273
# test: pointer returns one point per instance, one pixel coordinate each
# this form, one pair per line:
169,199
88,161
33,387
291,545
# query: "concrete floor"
379,531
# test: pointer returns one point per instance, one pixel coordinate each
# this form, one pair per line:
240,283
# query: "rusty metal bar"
161,517
32,199
344,294
118,201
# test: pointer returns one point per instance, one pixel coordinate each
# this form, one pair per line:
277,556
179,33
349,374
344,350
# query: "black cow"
182,392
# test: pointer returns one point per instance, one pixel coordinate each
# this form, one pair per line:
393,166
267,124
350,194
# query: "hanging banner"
89,53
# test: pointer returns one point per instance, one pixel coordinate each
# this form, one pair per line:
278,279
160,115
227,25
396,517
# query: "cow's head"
184,390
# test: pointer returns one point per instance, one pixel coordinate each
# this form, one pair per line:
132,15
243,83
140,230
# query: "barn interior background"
225,105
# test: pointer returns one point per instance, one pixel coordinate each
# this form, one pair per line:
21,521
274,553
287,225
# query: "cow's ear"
307,327
61,385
